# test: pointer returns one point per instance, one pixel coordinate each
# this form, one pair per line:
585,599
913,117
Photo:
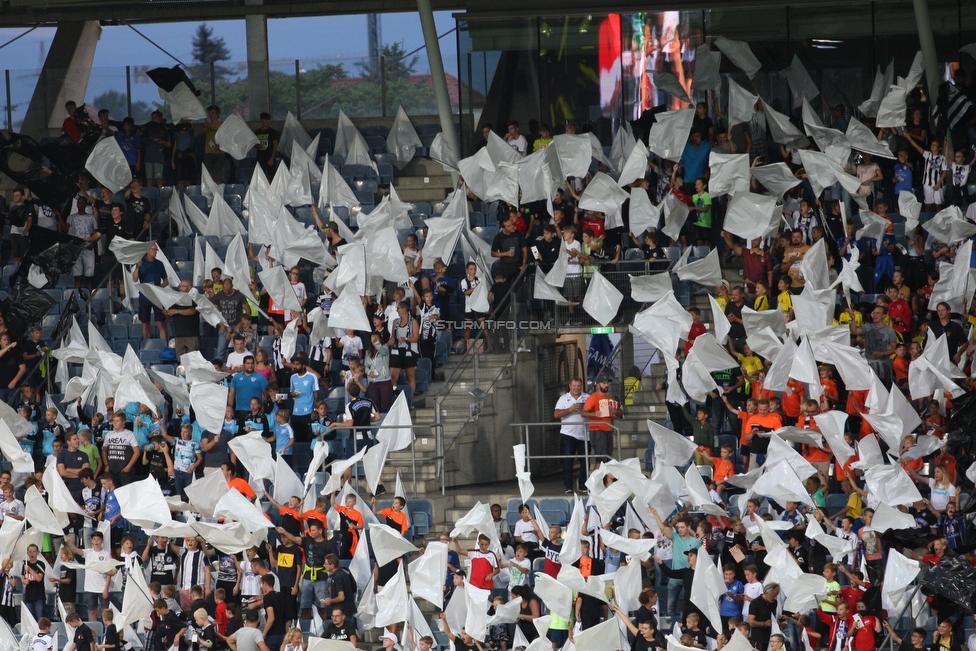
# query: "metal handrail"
413,450
888,640
526,439
451,381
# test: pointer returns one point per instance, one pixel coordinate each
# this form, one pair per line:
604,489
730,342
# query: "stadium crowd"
269,596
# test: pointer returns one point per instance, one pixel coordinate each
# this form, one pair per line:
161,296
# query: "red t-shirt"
791,399
697,330
899,308
481,566
864,639
70,127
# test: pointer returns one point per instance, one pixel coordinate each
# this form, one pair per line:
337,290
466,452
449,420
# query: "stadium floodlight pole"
930,59
437,74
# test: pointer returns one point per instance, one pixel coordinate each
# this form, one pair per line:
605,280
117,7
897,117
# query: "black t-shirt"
657,253
34,591
113,229
112,637
344,632
162,565
68,592
736,330
9,366
315,555
20,213
548,251
136,210
84,639
728,378
361,411
698,636
341,581
209,634
266,138
516,241
955,336
276,600
289,561
73,461
760,609
185,325
167,629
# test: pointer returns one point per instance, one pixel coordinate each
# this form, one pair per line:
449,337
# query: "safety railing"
888,640
527,438
429,428
572,316
473,360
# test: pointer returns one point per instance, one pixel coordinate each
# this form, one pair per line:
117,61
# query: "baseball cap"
389,636
727,285
604,378
332,226
691,551
252,616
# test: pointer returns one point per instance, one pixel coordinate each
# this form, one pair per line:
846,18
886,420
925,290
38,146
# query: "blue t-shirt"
903,178
727,607
47,444
306,386
130,146
152,272
283,434
113,509
695,161
247,387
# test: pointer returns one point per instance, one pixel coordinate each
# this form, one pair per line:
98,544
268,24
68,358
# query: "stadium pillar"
437,74
256,35
929,58
64,76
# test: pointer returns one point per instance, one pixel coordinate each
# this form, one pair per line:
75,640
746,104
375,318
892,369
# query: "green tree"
118,108
398,66
207,50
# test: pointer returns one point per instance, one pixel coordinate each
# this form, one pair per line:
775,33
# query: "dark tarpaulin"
21,158
66,155
961,425
54,253
170,78
71,309
952,581
907,538
24,308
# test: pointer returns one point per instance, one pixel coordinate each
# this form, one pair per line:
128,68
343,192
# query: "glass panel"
837,54
659,42
22,85
281,80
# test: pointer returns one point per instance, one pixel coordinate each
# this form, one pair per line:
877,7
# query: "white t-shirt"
753,590
351,347
526,531
466,284
574,268
940,496
518,572
14,508
302,293
236,359
520,143
572,424
95,581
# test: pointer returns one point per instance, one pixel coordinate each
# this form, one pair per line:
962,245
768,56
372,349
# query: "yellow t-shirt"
845,318
856,504
761,304
751,364
722,302
785,301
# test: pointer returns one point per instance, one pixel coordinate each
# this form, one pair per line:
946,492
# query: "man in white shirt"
515,139
572,434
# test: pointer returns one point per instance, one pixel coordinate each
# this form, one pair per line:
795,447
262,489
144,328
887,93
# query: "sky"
314,39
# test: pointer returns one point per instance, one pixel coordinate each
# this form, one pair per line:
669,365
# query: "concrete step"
429,194
425,181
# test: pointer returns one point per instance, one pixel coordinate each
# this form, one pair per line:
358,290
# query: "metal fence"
542,443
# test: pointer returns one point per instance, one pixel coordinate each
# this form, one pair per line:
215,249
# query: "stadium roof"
36,12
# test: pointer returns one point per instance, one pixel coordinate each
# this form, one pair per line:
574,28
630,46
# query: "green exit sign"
601,331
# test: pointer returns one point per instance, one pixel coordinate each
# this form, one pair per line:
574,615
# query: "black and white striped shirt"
191,568
935,165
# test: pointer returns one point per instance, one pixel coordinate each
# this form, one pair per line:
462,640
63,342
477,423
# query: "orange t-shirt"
354,516
312,514
400,519
242,487
830,389
598,403
760,423
744,417
914,464
856,399
792,399
811,452
901,368
722,469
